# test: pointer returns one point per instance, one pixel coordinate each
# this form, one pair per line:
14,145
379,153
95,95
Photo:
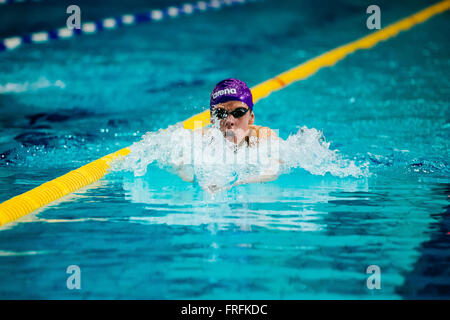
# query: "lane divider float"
331,57
38,197
17,1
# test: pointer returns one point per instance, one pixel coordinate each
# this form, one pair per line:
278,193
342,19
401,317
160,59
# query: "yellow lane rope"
330,58
38,197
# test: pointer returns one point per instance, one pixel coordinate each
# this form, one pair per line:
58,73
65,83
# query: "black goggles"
222,113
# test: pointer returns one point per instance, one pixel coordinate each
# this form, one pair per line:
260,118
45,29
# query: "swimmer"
231,107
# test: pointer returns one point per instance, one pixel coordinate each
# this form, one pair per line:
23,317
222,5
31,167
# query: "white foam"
41,83
20,253
214,160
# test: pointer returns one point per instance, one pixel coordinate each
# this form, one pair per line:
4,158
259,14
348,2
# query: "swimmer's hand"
261,178
267,175
185,172
216,189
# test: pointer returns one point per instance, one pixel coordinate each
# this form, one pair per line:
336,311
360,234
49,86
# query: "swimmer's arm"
261,178
186,173
269,174
263,132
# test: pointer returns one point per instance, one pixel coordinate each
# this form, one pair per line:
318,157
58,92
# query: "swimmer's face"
235,129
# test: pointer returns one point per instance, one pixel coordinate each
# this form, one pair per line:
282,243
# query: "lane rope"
38,197
17,1
330,58
112,23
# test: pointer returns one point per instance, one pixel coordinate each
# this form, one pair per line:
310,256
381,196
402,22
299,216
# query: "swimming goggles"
222,113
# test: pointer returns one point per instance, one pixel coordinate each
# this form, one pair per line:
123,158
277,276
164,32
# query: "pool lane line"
18,1
38,197
111,23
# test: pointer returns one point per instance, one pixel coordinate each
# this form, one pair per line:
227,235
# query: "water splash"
309,150
209,159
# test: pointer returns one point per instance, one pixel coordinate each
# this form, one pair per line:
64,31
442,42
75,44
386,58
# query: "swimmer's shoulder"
203,130
262,132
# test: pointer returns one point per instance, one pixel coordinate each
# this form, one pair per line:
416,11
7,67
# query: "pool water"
310,234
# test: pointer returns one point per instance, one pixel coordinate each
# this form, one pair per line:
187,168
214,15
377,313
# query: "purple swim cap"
231,89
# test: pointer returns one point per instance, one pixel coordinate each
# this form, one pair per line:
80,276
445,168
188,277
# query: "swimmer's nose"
229,121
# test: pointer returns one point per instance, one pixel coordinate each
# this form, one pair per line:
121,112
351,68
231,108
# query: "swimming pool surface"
303,236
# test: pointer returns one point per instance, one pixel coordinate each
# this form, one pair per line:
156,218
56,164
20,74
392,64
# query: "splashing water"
308,149
210,159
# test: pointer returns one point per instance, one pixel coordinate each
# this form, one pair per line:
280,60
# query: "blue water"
303,236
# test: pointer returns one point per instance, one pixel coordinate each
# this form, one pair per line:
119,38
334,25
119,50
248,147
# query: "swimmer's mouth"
229,133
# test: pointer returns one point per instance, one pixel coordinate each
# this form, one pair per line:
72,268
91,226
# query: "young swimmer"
231,104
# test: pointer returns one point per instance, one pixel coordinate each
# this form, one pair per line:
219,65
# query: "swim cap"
231,89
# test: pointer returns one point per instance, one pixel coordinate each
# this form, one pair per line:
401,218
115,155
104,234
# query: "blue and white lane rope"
155,15
17,1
